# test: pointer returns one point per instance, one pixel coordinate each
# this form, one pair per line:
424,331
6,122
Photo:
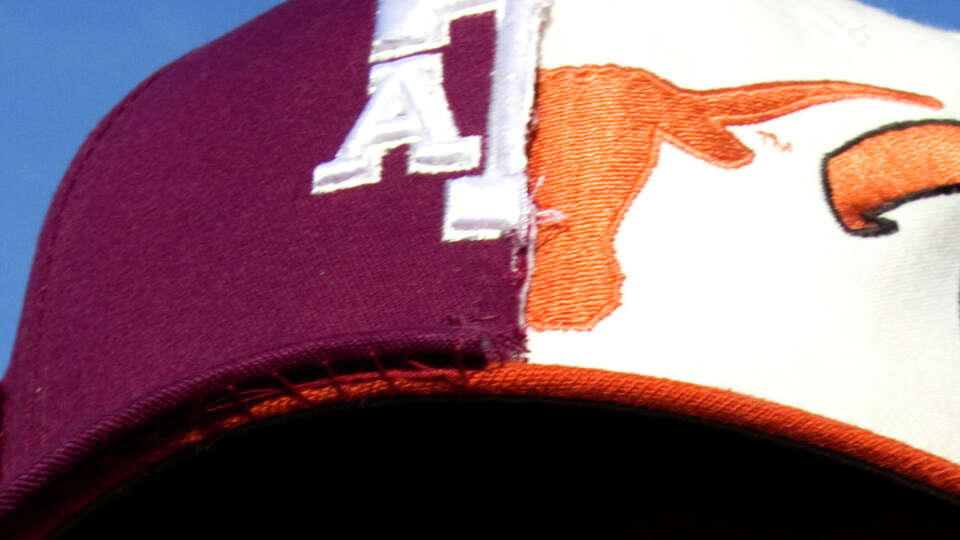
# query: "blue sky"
64,64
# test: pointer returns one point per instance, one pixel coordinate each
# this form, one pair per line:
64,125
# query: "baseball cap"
597,267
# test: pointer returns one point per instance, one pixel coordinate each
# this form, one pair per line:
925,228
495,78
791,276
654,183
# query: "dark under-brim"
515,450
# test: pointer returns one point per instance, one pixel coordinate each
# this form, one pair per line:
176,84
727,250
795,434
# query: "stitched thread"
775,141
595,146
384,374
427,29
458,382
555,382
237,399
496,202
236,407
240,402
290,388
425,122
890,166
707,403
333,380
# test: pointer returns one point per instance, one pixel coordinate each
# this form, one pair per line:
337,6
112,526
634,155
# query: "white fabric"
496,203
742,279
406,27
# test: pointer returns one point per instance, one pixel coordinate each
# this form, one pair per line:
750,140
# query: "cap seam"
46,253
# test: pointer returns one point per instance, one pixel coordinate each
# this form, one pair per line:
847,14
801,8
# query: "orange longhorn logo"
884,168
597,141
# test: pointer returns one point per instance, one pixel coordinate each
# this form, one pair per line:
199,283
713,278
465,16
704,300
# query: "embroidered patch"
597,141
408,105
887,167
406,27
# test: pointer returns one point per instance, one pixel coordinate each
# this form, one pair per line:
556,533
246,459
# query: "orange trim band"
712,404
515,380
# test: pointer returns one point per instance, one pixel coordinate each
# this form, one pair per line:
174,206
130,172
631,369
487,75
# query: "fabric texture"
184,251
804,254
884,168
264,226
599,133
279,396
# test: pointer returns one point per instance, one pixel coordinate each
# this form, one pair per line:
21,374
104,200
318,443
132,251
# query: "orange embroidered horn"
884,168
597,140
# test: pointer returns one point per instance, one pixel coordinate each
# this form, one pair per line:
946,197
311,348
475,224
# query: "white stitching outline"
405,27
506,205
407,105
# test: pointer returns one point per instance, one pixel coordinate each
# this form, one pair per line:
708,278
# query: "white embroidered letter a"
407,105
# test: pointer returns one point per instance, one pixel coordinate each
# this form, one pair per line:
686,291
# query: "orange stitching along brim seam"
508,380
572,383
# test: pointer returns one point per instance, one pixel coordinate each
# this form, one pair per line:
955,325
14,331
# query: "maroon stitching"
200,418
160,444
239,402
384,374
291,389
439,373
458,362
458,378
344,395
417,365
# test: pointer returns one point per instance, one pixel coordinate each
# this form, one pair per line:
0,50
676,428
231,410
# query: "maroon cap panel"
184,241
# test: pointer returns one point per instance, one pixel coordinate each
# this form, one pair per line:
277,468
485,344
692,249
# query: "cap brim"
252,407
